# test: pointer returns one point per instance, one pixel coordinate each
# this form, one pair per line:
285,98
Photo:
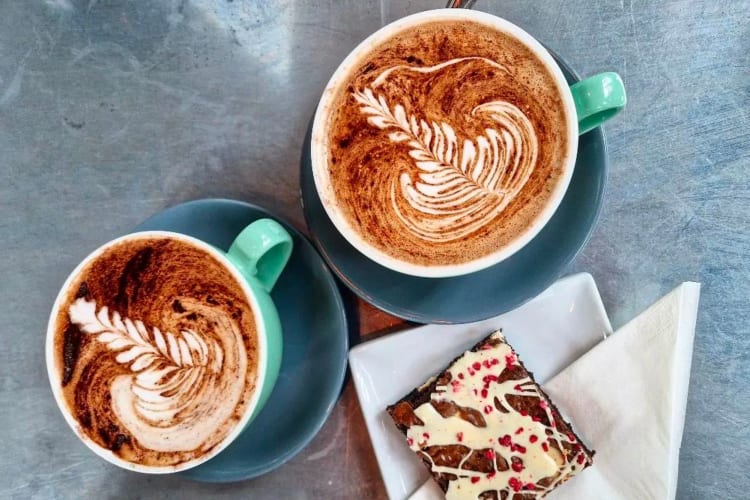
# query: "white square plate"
549,333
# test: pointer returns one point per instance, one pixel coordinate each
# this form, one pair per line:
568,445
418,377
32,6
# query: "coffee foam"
446,142
156,348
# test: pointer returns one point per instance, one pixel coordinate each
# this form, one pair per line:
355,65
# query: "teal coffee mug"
161,349
439,194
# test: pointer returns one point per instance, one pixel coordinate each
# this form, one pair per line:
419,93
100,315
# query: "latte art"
156,351
444,142
460,187
173,379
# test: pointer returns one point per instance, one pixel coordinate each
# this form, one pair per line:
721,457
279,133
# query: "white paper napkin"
626,398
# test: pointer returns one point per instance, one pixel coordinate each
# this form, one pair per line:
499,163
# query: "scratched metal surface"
111,110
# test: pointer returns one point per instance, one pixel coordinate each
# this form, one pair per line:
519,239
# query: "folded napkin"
626,398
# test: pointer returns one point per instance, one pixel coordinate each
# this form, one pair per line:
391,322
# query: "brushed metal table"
111,110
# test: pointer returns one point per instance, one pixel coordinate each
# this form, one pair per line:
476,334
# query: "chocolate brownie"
485,429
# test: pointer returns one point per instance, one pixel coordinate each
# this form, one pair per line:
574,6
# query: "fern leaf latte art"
172,379
445,142
156,349
460,187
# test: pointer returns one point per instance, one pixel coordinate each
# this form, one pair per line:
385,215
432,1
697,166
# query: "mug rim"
55,379
320,150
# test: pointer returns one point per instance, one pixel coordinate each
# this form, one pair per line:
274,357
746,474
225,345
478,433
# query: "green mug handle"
262,250
597,99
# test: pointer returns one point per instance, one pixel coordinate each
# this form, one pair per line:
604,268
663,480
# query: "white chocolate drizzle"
529,447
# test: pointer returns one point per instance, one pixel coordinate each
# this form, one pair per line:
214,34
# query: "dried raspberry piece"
515,484
517,447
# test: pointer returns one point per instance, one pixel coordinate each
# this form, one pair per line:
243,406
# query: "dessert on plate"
485,429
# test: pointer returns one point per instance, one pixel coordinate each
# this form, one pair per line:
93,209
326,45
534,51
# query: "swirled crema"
445,142
156,348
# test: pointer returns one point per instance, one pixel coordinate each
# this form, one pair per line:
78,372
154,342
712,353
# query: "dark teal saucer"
315,343
486,293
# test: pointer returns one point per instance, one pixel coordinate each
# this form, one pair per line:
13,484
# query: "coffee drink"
445,142
156,350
